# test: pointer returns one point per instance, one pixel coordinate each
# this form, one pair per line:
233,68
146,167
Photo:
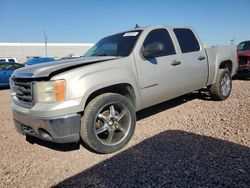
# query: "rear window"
187,40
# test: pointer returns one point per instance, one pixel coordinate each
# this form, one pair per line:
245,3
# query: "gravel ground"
187,142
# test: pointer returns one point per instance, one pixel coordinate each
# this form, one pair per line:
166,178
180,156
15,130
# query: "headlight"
49,91
11,85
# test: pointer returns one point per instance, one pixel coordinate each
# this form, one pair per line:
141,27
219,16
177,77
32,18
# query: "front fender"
82,82
99,80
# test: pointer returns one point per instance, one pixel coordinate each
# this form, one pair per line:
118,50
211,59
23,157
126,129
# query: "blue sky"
88,20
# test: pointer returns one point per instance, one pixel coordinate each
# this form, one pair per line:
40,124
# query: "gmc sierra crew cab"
95,97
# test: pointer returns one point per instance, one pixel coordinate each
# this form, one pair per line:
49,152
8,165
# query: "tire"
221,90
108,123
31,139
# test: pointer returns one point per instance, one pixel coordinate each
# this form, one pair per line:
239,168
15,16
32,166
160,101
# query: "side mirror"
153,49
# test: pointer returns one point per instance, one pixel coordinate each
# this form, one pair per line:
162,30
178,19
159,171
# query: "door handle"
201,58
174,63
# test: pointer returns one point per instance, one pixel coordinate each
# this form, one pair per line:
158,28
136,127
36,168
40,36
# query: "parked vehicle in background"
69,57
96,97
38,60
6,70
243,50
8,60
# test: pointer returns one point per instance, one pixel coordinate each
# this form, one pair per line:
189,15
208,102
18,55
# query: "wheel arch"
221,64
226,64
124,89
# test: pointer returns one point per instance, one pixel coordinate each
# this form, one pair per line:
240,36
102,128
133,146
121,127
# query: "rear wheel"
221,90
108,123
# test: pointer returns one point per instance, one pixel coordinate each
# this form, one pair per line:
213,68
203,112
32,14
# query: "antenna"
137,26
45,42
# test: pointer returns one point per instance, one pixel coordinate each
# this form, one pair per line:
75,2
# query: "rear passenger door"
193,58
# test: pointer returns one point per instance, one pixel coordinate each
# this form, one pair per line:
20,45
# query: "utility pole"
45,42
232,41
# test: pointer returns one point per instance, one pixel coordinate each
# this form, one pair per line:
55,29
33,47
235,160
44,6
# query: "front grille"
243,60
23,91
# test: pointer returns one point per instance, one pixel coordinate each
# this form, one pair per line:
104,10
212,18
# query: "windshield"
244,46
6,66
116,45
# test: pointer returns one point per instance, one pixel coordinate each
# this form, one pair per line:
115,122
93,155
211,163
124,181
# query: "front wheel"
221,90
108,123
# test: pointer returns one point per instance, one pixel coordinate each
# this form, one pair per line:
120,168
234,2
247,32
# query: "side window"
12,60
187,40
2,60
161,35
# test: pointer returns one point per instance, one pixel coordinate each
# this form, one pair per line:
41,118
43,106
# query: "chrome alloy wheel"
226,85
112,124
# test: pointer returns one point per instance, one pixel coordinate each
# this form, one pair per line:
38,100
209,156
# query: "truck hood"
51,68
244,53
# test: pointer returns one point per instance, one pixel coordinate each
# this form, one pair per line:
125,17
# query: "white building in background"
21,51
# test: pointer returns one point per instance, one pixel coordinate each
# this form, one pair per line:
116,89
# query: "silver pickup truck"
95,97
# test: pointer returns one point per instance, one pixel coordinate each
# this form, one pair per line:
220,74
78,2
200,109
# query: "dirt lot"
187,142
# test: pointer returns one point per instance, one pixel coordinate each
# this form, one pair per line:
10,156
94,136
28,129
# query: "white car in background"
8,60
